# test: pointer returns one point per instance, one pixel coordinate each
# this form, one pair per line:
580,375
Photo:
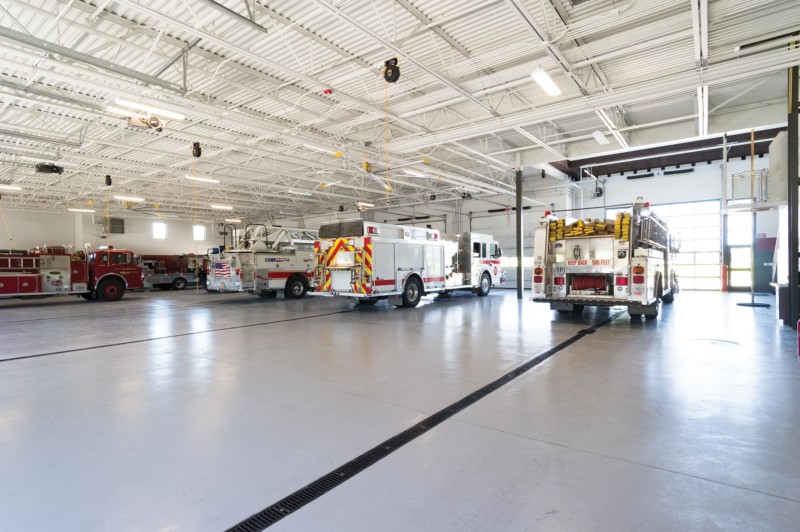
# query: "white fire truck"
371,261
54,270
265,261
588,263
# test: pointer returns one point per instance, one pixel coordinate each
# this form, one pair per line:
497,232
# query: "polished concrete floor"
185,411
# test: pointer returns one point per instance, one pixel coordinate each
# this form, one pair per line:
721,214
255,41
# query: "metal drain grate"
274,513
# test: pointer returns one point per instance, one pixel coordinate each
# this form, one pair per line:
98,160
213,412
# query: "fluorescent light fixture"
702,110
323,150
221,207
365,204
161,113
545,82
415,173
600,138
81,210
299,192
233,220
10,187
132,199
203,179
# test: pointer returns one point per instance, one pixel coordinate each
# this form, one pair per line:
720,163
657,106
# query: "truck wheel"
412,293
366,302
88,296
485,286
577,310
635,316
295,288
163,286
179,283
110,290
668,298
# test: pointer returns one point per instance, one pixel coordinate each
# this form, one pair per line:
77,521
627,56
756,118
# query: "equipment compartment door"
383,266
434,266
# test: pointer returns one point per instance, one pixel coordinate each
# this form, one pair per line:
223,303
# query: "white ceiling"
251,77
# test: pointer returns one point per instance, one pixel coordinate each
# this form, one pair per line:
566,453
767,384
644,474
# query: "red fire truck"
104,274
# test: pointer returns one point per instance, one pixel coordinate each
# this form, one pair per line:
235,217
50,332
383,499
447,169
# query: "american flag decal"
222,269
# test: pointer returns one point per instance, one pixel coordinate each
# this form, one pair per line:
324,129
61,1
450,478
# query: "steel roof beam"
684,82
422,17
8,34
395,49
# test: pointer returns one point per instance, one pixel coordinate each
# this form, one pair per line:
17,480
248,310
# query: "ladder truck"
103,274
624,262
265,261
370,261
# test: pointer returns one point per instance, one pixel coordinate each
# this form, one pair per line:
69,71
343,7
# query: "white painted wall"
31,229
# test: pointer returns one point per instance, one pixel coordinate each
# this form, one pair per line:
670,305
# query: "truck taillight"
638,279
538,271
622,281
538,278
372,230
559,281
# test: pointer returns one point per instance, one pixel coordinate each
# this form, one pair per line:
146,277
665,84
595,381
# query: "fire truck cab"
590,263
103,274
371,261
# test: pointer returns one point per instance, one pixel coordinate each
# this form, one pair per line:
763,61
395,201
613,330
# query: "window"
476,249
120,258
495,251
483,251
160,230
199,232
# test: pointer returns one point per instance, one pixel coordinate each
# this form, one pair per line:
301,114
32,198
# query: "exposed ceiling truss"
288,102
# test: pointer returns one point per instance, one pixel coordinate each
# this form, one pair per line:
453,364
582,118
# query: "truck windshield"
343,228
494,251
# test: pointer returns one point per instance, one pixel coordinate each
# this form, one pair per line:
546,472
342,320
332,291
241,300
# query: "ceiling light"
148,109
203,179
221,207
10,187
545,82
702,110
299,192
132,199
600,138
81,210
233,220
415,173
365,204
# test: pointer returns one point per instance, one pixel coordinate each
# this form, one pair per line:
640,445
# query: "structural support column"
78,232
794,282
518,232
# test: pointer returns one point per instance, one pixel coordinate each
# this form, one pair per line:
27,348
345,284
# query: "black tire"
179,283
577,310
485,286
110,290
88,296
650,316
560,311
366,302
668,298
296,288
636,316
412,293
163,286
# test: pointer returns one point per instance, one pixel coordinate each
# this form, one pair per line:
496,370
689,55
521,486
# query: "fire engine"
267,260
604,263
104,274
172,271
371,261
